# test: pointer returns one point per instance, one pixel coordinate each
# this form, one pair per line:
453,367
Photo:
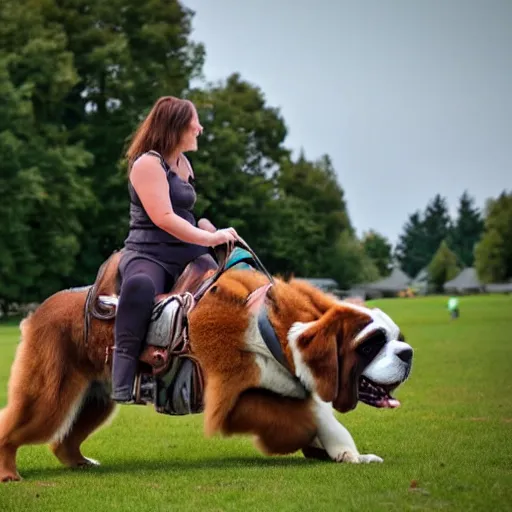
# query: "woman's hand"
223,236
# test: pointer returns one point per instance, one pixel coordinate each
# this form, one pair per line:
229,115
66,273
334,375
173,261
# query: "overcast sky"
409,97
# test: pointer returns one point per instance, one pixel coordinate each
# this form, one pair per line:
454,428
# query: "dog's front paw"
348,456
345,455
86,463
370,457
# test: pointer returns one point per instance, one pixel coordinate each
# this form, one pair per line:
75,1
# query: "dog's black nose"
405,355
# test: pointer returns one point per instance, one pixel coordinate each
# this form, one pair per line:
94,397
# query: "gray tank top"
148,240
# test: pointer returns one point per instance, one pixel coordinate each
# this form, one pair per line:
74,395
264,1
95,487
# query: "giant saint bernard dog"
327,355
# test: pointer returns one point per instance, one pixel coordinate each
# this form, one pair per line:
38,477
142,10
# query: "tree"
76,78
241,149
42,191
126,54
410,251
436,225
349,264
467,230
290,211
378,249
316,184
443,267
423,235
493,254
293,240
317,195
18,187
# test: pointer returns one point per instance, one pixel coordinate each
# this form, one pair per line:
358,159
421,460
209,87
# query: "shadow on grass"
143,465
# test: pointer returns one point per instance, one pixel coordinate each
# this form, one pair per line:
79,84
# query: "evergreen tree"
467,230
436,225
410,251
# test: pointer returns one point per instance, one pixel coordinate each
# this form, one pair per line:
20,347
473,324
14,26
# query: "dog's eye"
372,345
367,350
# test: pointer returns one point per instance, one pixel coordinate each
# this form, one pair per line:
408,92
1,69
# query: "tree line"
76,78
433,242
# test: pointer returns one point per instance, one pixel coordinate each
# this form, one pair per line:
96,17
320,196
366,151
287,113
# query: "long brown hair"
162,129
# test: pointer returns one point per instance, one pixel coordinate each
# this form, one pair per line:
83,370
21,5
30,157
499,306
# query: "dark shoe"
124,368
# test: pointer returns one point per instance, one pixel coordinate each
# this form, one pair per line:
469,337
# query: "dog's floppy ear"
319,354
328,358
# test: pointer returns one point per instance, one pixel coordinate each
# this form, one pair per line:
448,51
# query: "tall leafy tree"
126,54
290,211
76,77
349,264
379,250
467,230
293,240
320,199
240,151
493,254
43,192
443,267
316,183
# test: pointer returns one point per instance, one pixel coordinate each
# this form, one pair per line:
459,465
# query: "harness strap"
270,338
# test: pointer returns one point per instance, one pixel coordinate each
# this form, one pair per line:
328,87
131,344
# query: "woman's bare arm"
150,183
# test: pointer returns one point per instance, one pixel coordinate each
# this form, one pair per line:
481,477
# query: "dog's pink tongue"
389,403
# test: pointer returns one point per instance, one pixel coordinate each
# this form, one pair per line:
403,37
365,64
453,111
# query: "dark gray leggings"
141,281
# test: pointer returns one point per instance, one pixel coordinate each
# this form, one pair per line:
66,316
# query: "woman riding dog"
163,235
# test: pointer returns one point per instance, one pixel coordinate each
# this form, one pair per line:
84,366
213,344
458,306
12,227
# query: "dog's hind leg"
281,425
29,419
95,410
44,395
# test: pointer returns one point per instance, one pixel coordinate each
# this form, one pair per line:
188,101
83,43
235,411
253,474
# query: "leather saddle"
168,376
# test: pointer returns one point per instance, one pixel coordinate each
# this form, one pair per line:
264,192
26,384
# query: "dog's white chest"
273,376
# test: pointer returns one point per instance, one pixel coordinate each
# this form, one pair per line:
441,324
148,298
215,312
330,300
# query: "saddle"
168,375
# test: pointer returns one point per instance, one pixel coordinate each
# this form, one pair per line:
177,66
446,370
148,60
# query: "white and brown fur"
58,385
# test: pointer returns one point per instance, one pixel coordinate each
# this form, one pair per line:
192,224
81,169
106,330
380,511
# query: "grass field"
449,447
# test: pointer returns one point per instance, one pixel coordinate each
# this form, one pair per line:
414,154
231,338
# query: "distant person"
453,307
164,235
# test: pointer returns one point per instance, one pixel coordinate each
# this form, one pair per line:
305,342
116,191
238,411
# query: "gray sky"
409,97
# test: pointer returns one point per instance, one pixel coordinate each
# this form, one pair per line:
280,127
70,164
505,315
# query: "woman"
163,236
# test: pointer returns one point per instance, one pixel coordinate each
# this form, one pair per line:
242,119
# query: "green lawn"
448,447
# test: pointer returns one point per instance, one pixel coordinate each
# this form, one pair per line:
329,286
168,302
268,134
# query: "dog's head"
344,352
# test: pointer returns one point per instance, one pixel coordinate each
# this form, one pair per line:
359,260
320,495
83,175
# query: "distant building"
420,283
390,286
466,282
499,287
396,282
